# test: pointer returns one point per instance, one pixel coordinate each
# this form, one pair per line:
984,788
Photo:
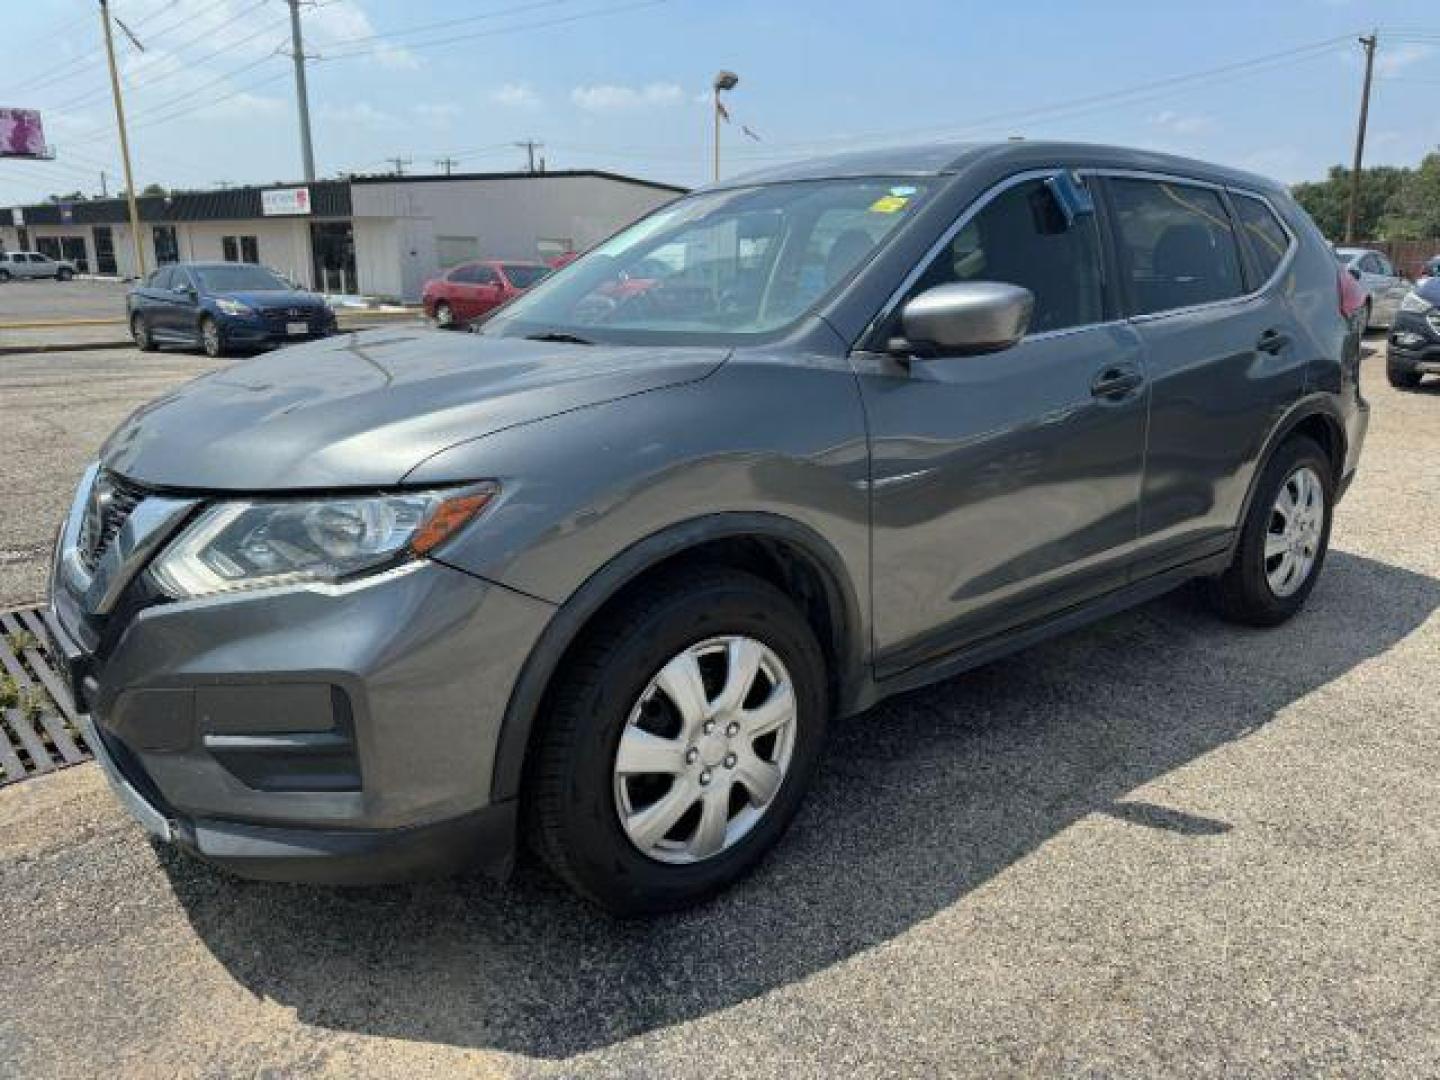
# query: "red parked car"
473,290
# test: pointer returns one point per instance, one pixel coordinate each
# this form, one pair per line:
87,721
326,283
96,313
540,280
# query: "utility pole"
399,163
302,96
124,140
446,163
530,146
1354,210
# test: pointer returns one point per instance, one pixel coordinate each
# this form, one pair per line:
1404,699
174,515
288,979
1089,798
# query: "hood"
273,298
363,409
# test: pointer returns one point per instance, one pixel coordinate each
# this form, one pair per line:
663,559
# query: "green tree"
1328,200
152,189
1413,213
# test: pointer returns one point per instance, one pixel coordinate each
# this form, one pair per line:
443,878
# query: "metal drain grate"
38,733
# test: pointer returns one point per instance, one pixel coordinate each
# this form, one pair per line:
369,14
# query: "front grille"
290,314
112,500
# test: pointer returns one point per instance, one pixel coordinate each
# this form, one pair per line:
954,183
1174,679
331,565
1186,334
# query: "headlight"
251,545
1416,304
233,307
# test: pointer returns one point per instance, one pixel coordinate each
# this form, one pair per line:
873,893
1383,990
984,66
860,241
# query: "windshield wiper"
559,336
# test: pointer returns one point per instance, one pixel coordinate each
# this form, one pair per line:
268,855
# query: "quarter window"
1177,244
1268,239
1023,237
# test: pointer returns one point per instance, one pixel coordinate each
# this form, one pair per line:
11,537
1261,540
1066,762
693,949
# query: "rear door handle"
1272,342
1114,382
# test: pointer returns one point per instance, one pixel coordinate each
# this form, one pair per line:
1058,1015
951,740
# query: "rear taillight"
1352,296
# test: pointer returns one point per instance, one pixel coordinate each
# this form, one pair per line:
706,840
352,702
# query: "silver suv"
601,574
32,264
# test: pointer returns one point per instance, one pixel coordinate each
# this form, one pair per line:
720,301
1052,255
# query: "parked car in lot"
473,290
1378,277
1430,269
601,574
33,264
1414,345
222,307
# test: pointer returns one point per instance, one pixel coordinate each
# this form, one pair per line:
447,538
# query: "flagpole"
717,133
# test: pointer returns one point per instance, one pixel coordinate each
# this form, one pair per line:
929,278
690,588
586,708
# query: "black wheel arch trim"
1312,405
574,614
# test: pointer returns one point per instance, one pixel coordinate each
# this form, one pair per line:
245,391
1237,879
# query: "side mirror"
967,318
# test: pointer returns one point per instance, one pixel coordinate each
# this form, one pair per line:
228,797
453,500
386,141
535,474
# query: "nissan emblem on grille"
110,504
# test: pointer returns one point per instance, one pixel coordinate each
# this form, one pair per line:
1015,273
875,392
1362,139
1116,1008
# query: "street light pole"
724,80
124,141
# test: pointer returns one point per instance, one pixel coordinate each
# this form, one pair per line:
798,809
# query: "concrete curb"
64,346
124,341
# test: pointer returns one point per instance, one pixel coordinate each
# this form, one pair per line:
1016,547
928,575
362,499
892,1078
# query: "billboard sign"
279,202
21,134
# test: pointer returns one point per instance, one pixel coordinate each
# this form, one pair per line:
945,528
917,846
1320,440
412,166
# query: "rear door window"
1177,246
1269,241
163,279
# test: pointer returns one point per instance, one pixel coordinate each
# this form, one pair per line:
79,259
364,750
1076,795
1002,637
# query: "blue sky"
621,84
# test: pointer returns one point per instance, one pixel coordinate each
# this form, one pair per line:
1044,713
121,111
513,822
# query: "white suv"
32,264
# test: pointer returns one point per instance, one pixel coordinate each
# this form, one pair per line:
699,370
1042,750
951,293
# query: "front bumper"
342,734
1414,344
244,330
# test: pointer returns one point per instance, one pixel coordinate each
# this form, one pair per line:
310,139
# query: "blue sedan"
222,307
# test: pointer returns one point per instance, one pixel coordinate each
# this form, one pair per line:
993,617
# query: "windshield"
238,278
522,276
722,266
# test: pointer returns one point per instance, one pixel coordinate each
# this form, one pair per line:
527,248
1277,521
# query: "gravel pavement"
1159,846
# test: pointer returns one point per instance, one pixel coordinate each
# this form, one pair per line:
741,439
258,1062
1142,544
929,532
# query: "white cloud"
1395,59
357,114
343,21
244,105
516,96
604,97
1177,123
437,114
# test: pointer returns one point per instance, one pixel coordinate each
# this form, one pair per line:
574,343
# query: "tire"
1253,589
1365,318
574,794
445,316
4,276
211,339
1402,378
63,275
140,331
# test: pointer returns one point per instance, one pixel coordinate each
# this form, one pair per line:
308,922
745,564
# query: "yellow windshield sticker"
888,204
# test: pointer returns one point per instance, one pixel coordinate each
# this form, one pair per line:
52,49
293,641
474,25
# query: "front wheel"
211,340
1283,539
678,743
444,316
63,274
4,275
140,331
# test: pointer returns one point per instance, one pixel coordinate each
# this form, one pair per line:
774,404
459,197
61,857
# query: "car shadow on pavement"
917,802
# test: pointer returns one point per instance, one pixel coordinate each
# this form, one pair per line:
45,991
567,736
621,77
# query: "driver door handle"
1116,381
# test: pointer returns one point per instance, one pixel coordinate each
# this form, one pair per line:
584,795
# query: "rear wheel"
678,743
140,331
444,316
4,275
1402,378
1283,539
64,274
211,339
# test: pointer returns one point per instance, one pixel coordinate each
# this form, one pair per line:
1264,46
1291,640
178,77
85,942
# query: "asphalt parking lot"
43,301
1159,846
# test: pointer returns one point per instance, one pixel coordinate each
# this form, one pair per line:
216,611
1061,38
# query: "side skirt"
1022,637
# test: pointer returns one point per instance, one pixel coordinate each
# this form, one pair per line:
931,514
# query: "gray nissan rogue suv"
599,575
